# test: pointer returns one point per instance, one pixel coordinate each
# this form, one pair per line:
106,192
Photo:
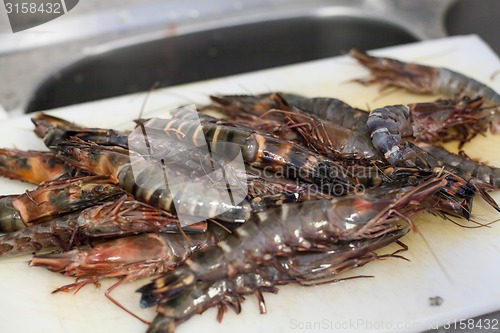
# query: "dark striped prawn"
257,150
262,151
264,189
224,139
404,135
250,110
333,128
54,130
306,269
394,129
432,80
463,165
286,233
116,163
391,125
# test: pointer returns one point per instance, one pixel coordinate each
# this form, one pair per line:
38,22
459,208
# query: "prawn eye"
53,137
251,149
101,189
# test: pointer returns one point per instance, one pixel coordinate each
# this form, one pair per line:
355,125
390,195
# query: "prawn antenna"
494,75
439,263
143,106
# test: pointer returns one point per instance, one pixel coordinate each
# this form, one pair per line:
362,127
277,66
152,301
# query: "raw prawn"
56,233
118,218
263,151
464,166
303,268
54,130
33,167
282,232
52,199
115,162
390,125
129,258
430,80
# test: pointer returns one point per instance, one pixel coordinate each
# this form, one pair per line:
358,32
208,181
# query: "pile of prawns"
339,184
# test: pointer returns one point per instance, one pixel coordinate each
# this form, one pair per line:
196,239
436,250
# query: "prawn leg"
125,217
447,120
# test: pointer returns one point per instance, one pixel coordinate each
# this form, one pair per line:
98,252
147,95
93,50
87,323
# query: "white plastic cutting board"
462,266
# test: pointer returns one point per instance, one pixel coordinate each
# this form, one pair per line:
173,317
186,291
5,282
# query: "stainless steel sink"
143,42
171,42
213,53
478,17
